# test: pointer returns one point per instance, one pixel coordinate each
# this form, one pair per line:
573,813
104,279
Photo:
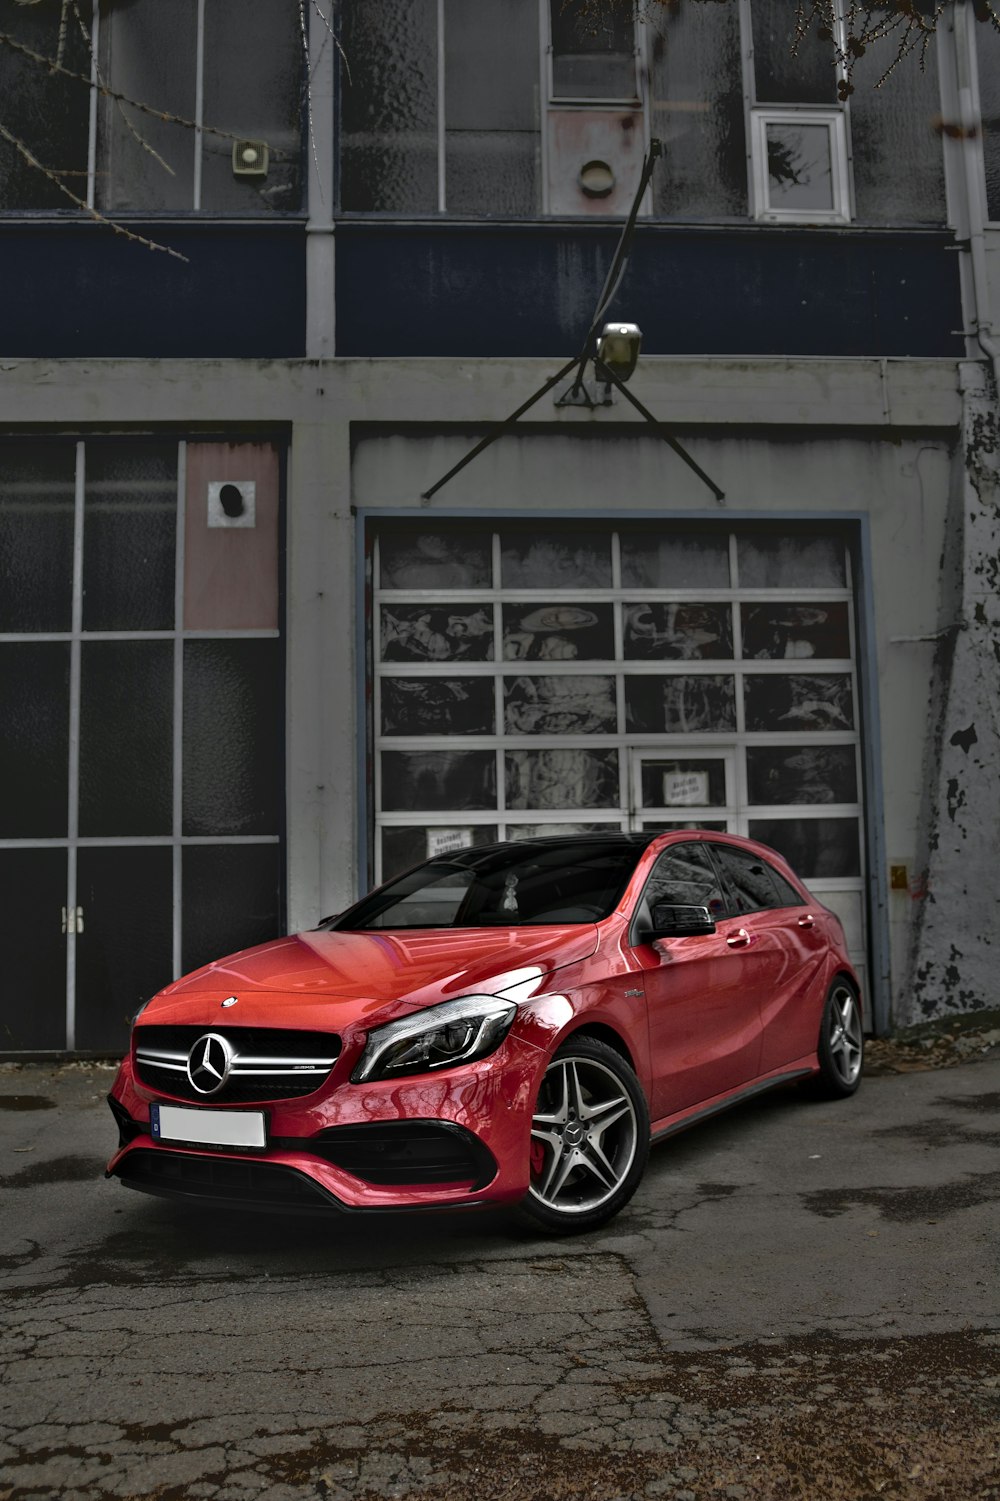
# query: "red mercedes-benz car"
503,1025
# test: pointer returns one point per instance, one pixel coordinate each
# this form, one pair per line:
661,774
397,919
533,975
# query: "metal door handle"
739,940
808,921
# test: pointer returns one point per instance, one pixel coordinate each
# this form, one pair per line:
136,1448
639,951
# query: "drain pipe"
975,206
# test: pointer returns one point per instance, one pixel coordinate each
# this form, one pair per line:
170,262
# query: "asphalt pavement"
802,1301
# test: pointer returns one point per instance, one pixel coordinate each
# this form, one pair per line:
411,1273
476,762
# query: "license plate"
208,1128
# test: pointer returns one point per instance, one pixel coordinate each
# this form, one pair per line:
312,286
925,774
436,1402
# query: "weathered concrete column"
956,943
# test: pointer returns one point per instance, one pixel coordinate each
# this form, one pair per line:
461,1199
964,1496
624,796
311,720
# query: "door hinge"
72,919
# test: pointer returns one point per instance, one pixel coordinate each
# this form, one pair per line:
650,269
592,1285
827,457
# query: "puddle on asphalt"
56,1170
26,1102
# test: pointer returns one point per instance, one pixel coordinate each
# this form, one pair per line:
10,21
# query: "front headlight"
455,1032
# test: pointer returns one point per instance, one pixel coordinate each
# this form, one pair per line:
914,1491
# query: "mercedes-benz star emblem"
209,1062
232,1001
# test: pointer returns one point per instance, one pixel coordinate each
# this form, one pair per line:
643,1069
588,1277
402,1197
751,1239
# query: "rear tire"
589,1140
841,1048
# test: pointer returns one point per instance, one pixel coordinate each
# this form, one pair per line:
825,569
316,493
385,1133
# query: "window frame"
835,121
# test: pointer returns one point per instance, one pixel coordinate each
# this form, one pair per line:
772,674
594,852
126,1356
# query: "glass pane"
408,845
437,633
684,876
34,745
562,779
592,50
813,847
684,560
560,705
656,826
126,737
781,632
988,48
149,50
233,736
438,780
253,89
655,632
748,880
697,112
491,144
129,530
799,166
459,558
897,159
36,535
47,112
680,705
438,706
790,702
683,783
802,774
124,954
492,173
769,560
563,559
231,899
388,158
788,71
558,633
34,952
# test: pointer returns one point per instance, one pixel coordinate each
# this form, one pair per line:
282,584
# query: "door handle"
739,939
808,921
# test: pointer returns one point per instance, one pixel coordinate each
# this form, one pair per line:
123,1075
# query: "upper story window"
164,106
752,122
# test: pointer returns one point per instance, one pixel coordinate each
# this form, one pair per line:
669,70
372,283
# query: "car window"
751,883
510,885
685,877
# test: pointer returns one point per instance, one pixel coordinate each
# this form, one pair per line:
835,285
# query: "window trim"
835,121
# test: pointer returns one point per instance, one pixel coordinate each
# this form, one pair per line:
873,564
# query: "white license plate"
208,1128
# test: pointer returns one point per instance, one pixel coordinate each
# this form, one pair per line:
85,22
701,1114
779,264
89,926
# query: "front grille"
269,1063
401,1152
248,1184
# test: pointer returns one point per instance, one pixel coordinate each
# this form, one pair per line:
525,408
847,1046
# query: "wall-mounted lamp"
618,348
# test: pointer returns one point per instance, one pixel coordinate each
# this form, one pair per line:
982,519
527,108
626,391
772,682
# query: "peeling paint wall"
956,938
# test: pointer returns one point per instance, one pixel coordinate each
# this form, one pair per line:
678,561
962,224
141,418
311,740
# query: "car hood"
324,978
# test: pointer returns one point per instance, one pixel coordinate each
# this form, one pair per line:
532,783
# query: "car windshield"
514,885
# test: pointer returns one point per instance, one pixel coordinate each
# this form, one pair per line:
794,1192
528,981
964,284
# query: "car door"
784,949
704,1021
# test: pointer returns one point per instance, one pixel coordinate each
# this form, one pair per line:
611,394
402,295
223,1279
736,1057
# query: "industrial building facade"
254,656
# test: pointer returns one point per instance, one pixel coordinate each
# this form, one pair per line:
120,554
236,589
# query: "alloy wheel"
584,1135
844,1036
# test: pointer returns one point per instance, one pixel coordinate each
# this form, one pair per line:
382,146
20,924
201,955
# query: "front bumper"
456,1138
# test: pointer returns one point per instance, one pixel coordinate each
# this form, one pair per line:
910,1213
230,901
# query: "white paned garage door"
552,677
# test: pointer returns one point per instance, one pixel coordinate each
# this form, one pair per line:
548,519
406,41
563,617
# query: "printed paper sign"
685,789
443,841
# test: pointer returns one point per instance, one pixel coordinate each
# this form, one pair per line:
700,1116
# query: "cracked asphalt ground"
801,1301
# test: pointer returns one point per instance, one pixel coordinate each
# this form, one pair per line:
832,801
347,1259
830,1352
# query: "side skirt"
671,1125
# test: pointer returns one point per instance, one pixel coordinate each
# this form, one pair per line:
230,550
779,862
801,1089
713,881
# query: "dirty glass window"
688,632
129,541
47,112
441,706
561,778
153,159
491,112
668,559
388,120
988,48
697,111
567,558
802,774
824,848
593,50
36,535
443,633
790,69
577,705
780,631
680,704
452,558
794,701
558,633
778,560
898,160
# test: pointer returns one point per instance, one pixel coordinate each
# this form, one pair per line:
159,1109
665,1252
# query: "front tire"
589,1139
841,1047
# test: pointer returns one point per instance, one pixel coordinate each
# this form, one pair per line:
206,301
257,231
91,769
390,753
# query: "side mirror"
680,922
